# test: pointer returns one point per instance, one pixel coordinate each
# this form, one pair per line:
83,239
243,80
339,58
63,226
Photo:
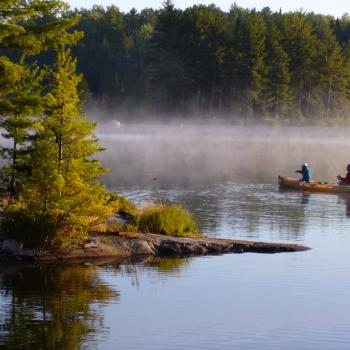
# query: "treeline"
242,63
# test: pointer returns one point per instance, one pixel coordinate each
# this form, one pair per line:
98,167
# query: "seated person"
306,172
345,181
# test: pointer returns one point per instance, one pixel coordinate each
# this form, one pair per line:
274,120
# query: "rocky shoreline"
119,245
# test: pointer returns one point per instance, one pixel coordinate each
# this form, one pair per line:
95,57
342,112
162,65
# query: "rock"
90,245
141,245
169,247
141,248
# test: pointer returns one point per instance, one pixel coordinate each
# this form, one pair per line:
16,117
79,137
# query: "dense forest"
241,64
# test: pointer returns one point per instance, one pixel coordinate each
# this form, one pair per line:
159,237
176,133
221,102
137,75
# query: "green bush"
39,230
170,220
124,205
119,227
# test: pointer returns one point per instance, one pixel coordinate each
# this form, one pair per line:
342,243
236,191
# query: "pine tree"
63,193
251,65
27,28
334,76
302,47
279,77
17,120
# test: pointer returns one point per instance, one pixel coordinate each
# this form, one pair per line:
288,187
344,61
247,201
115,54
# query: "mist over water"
188,155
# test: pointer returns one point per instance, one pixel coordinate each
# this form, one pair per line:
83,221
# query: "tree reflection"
169,264
52,307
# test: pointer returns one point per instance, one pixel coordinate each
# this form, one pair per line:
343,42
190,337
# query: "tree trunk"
329,96
13,173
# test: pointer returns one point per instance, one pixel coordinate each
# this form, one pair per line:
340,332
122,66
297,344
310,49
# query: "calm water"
239,301
249,301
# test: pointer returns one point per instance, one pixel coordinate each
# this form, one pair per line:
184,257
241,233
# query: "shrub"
167,220
38,230
123,205
119,227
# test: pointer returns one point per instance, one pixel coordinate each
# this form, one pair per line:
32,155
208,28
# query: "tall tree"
18,112
27,28
302,47
279,77
63,188
334,75
206,53
251,55
166,72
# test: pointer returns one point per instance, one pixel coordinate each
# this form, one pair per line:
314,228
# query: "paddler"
306,172
345,181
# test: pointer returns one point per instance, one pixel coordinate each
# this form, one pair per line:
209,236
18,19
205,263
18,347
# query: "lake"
237,301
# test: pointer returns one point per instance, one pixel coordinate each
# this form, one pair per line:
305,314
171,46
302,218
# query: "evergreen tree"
302,47
334,76
251,65
206,49
63,193
24,33
17,120
279,77
166,74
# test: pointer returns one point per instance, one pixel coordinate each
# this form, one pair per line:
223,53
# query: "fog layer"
203,154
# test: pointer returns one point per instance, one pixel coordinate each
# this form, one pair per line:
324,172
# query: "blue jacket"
306,172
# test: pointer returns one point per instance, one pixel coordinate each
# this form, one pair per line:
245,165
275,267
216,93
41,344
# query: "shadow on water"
62,306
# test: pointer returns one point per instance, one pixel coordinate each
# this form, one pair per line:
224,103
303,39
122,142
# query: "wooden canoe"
292,183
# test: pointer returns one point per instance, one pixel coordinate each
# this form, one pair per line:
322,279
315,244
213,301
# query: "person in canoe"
345,181
305,172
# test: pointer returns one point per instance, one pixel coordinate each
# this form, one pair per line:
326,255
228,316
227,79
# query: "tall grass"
172,220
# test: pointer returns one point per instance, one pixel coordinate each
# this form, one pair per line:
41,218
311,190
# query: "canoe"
292,183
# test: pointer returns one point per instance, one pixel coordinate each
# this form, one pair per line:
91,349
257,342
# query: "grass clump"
124,205
171,220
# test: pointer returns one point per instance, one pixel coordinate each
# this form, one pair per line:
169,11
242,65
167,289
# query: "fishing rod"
328,159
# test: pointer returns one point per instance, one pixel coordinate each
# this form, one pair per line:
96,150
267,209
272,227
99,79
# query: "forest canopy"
242,63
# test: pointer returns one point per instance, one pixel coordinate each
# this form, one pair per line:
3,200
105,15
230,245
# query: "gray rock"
141,248
90,245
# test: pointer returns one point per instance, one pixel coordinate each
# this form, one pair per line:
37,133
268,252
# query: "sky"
333,7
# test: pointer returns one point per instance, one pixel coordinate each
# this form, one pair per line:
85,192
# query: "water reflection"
61,307
52,307
258,212
166,302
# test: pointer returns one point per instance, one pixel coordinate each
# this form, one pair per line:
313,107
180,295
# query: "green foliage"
63,186
24,34
37,229
261,64
126,229
172,220
123,205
